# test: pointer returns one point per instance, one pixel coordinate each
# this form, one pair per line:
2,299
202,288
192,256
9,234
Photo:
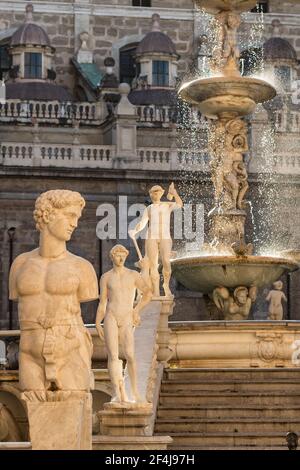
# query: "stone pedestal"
164,352
227,226
125,421
61,425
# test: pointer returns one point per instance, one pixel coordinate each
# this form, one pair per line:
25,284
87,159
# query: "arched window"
160,73
141,3
33,65
129,69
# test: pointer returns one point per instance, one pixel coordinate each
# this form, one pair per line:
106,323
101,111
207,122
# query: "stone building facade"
67,122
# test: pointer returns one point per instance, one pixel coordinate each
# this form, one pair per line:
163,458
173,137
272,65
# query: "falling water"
251,213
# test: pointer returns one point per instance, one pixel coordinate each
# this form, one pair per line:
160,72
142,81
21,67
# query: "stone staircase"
229,408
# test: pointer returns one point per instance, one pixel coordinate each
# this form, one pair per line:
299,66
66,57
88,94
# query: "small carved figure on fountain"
275,298
237,177
241,248
243,186
236,306
230,22
228,142
158,238
117,293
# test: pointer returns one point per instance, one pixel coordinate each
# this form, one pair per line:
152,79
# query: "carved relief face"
241,297
64,222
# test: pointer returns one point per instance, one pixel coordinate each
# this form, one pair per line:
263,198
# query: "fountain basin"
205,273
217,96
214,6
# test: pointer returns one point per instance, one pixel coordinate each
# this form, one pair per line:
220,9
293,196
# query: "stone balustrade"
148,158
280,164
77,156
51,112
172,159
99,156
287,164
167,115
157,114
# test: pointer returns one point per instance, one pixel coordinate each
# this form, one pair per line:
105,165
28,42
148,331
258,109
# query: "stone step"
228,439
239,448
242,425
288,397
231,374
228,411
230,385
222,409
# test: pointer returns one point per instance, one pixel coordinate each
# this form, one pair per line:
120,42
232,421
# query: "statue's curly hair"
54,199
118,248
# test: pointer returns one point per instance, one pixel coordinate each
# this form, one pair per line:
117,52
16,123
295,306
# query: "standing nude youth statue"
158,238
50,283
117,293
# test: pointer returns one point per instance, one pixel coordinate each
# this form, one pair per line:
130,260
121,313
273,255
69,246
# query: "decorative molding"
101,10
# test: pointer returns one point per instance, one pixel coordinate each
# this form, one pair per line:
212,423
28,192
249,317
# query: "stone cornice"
100,10
83,8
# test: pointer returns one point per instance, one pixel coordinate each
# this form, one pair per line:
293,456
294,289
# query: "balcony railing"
99,156
52,112
58,155
157,114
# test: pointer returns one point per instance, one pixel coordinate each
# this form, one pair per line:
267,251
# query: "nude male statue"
117,293
50,283
158,238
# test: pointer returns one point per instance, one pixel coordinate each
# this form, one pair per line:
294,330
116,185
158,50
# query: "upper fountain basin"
232,96
205,273
214,6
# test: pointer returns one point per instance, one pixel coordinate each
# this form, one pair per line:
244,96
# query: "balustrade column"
36,147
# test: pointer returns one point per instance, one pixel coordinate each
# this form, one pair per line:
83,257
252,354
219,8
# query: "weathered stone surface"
56,425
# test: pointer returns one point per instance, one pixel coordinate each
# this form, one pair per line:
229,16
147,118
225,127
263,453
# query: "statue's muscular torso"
121,293
53,339
51,289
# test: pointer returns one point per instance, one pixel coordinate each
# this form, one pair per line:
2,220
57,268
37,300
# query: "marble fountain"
226,269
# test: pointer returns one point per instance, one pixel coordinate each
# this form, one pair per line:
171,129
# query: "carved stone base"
228,227
131,443
221,344
61,425
125,421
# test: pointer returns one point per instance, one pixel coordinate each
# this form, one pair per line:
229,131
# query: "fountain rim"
250,260
226,80
215,6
